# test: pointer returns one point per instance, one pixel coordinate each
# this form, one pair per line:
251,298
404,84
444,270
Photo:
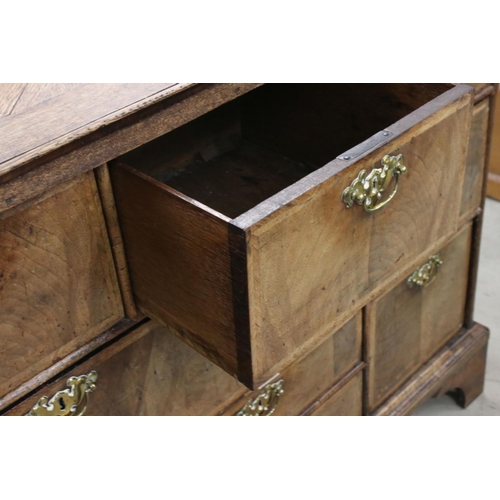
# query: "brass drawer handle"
265,403
70,402
425,274
367,190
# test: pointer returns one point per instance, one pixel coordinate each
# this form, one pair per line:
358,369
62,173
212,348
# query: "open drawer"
237,229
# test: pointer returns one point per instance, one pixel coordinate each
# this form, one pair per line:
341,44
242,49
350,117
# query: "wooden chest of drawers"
301,250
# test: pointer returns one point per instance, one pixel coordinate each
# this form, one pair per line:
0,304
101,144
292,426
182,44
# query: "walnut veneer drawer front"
476,155
236,229
347,401
415,319
147,372
151,372
306,380
58,286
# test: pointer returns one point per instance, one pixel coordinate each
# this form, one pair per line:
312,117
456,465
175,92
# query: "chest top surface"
38,118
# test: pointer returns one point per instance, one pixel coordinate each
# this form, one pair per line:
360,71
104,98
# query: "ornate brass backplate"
265,403
70,402
425,274
367,189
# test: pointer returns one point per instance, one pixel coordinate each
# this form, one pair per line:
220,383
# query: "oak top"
38,118
43,121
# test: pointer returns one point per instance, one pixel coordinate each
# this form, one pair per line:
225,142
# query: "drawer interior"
249,149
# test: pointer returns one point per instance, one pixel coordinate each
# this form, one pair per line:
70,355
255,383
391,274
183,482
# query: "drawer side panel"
179,262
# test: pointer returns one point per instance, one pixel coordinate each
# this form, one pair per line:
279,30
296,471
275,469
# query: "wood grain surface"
179,263
151,372
465,382
476,156
478,86
408,325
115,236
47,116
30,176
478,221
58,286
46,252
9,96
345,401
303,261
53,372
458,367
312,262
310,378
16,98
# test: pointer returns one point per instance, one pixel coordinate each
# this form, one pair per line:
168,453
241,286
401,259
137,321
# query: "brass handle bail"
367,189
265,403
424,275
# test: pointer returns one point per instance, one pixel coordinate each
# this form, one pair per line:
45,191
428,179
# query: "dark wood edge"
477,225
365,357
469,217
361,151
114,235
491,117
68,363
239,278
424,384
484,93
42,196
168,189
478,221
334,389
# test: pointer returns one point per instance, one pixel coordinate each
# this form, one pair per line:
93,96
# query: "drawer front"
148,372
313,261
409,324
257,292
151,372
345,402
58,286
308,379
476,156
